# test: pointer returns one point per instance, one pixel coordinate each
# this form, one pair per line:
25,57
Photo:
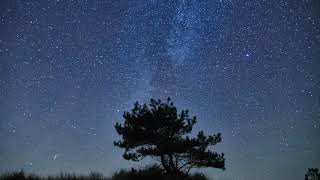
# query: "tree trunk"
171,163
164,164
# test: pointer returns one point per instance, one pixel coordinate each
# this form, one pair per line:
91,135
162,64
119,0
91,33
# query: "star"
55,156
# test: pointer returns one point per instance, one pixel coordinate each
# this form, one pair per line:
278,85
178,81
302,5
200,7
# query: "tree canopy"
158,131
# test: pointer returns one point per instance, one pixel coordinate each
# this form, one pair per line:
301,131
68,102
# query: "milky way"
247,69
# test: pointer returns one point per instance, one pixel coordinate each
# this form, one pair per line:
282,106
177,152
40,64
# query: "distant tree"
312,174
158,131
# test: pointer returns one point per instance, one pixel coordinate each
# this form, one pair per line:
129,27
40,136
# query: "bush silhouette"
312,174
155,173
158,131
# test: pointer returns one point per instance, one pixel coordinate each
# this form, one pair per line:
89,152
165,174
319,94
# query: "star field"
247,69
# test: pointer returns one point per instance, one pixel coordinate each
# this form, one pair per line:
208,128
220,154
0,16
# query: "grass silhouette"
148,173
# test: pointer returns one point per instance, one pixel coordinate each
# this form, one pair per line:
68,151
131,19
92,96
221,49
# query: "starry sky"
248,69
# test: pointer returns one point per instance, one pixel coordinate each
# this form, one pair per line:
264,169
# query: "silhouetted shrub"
154,173
312,174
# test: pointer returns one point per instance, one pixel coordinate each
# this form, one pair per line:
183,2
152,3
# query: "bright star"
55,156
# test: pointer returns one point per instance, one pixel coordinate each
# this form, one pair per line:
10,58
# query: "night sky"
248,69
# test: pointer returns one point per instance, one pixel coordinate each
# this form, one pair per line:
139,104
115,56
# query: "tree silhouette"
158,131
312,174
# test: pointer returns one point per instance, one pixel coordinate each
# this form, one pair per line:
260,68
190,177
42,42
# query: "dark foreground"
149,173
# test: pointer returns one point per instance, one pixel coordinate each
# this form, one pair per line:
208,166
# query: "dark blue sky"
247,69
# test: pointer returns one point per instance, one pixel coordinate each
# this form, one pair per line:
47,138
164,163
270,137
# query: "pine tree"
158,131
